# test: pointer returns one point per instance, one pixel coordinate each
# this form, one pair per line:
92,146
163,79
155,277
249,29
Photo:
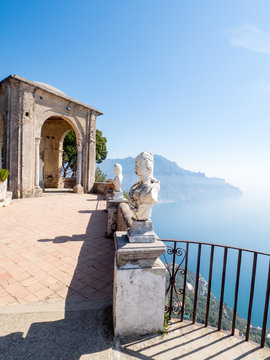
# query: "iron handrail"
174,268
215,244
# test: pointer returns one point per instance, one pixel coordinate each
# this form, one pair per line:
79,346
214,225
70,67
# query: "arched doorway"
53,132
69,159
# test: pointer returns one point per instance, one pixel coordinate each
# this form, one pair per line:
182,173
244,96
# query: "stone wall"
68,183
100,188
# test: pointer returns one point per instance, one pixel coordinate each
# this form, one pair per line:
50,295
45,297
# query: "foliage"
100,176
166,321
101,148
125,194
69,157
3,175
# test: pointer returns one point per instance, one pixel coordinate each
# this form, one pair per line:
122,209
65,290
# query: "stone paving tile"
54,249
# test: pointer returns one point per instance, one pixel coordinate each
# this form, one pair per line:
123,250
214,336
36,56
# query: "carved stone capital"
37,140
79,144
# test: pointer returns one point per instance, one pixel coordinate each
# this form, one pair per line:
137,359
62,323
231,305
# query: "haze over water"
241,222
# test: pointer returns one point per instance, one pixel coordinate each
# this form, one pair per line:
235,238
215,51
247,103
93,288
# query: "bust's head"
144,164
117,169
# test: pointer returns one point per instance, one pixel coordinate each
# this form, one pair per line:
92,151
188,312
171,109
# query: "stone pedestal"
3,192
78,189
139,287
8,199
5,196
141,232
112,208
38,191
118,196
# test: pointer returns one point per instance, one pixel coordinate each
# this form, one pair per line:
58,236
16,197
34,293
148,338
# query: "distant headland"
177,184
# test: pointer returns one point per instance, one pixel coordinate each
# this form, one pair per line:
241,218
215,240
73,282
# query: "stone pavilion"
34,119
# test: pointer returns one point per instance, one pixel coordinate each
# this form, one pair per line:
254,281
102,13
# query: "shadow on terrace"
185,340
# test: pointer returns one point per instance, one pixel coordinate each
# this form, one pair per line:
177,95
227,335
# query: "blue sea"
241,222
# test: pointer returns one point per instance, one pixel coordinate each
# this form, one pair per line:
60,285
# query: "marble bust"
117,183
144,194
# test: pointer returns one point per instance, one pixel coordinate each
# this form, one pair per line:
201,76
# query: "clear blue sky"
189,80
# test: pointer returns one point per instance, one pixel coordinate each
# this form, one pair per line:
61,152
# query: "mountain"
176,184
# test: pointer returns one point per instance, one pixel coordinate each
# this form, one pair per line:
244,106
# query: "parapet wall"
100,188
69,183
124,218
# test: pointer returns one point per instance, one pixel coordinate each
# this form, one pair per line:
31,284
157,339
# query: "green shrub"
3,175
126,195
100,176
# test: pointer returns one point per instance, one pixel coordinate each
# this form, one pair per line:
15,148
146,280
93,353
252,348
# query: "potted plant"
109,183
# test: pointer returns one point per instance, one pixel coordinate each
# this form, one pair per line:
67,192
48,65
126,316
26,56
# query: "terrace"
56,278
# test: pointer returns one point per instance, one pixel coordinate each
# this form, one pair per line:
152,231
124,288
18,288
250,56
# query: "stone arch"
68,178
78,139
72,120
52,133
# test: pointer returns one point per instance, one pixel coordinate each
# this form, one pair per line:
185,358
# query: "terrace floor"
188,341
53,250
56,275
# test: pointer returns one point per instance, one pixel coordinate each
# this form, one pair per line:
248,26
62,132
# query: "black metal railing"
177,267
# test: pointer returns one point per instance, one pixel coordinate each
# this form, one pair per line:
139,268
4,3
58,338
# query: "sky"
186,79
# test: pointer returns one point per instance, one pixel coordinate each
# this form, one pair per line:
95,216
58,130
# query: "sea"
242,222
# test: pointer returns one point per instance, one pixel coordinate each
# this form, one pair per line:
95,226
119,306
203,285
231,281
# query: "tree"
101,148
69,164
100,176
69,157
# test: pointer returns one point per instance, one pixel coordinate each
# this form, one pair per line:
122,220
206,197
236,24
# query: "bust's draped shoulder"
144,192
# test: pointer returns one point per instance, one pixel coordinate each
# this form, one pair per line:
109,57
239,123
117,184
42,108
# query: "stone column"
92,152
78,187
37,190
1,144
60,183
37,156
79,164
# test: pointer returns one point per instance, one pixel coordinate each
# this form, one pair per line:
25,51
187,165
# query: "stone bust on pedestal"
142,197
117,183
139,274
144,194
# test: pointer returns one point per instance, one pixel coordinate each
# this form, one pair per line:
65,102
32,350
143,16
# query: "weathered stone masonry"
34,119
